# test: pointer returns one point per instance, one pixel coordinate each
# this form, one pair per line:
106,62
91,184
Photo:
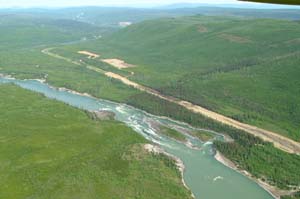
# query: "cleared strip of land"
234,38
89,54
117,63
279,141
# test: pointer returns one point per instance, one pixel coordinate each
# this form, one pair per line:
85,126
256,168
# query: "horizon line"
164,6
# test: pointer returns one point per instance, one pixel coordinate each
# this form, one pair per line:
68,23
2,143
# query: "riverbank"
148,147
272,190
83,153
179,163
147,132
279,141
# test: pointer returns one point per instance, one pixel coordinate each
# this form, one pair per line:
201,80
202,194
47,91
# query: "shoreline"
279,141
148,147
178,162
44,81
275,192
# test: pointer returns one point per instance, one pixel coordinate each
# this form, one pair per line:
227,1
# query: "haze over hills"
143,4
110,17
228,5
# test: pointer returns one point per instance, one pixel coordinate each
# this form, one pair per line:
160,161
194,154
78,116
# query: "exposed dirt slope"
279,141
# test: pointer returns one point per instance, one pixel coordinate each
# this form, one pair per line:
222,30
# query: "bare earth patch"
202,29
120,64
89,54
279,141
293,41
235,38
102,115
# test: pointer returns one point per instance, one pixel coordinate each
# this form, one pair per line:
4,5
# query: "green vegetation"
21,31
295,196
161,107
172,133
191,58
262,160
33,64
51,150
247,69
202,135
23,38
230,65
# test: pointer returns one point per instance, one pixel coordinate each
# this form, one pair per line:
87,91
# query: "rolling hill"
244,68
51,150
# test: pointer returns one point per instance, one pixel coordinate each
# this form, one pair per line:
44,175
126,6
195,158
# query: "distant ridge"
285,2
248,5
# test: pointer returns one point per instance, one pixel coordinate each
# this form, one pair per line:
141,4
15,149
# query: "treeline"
294,196
250,153
162,107
263,161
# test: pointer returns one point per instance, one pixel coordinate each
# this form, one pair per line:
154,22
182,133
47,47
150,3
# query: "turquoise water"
206,177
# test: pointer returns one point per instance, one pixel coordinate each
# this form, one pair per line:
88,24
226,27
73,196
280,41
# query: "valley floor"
51,150
279,141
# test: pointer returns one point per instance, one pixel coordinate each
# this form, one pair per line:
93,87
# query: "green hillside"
24,36
25,30
296,196
247,69
111,16
51,150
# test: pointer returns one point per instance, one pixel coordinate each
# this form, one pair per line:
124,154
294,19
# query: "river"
206,177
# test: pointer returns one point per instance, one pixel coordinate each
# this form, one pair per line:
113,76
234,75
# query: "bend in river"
206,177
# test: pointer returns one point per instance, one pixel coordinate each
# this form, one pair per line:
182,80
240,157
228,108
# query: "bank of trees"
263,160
294,196
250,153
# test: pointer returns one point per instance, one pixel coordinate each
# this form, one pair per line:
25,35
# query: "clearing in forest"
279,141
234,38
120,64
202,29
293,41
89,54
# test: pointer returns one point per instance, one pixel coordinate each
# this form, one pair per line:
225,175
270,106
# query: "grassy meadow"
51,150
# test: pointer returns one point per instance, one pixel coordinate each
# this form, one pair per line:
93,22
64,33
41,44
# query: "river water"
206,177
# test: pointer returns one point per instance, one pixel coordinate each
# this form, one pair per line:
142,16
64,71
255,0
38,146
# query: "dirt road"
279,141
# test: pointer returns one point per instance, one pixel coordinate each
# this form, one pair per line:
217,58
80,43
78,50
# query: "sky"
134,3
65,3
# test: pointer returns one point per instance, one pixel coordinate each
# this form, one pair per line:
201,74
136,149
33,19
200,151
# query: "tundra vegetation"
51,150
295,196
243,67
233,68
